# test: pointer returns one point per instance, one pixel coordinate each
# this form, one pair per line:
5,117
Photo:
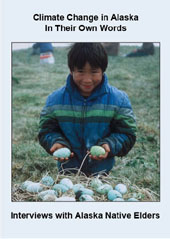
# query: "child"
87,111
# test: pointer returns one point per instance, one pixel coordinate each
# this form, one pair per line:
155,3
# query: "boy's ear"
71,72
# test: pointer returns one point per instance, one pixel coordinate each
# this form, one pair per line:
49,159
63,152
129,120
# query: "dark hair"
93,53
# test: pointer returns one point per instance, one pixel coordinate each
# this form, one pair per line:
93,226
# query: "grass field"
31,85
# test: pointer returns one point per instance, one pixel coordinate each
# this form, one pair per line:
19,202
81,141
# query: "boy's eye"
94,72
80,71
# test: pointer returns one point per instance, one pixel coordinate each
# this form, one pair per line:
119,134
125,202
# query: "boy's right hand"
59,146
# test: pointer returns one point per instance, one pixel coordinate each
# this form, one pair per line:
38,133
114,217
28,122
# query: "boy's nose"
87,77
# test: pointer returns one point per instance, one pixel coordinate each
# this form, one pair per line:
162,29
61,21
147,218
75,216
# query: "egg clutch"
48,190
73,189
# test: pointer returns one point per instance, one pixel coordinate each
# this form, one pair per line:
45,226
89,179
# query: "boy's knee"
70,166
101,167
94,167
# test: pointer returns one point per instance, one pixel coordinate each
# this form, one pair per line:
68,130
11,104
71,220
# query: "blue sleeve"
122,135
49,130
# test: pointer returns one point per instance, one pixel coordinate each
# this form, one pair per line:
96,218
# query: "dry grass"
142,194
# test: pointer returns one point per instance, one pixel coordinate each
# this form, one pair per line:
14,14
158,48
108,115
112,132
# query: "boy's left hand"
104,156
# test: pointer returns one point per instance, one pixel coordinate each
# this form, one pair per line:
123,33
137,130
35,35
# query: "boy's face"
87,78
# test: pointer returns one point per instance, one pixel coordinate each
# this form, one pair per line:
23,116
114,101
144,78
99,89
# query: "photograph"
85,122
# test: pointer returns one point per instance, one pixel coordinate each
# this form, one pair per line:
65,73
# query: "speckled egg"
133,200
86,191
118,200
49,192
25,184
60,188
121,188
113,194
49,198
34,188
95,183
86,197
47,180
67,182
62,153
104,189
97,151
77,187
66,199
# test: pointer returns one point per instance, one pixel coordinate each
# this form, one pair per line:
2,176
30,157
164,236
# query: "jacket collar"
99,91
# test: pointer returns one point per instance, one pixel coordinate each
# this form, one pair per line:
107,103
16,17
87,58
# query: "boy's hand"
59,146
100,157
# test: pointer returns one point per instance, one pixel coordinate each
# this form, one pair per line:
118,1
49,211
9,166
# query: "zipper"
83,115
83,121
84,108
